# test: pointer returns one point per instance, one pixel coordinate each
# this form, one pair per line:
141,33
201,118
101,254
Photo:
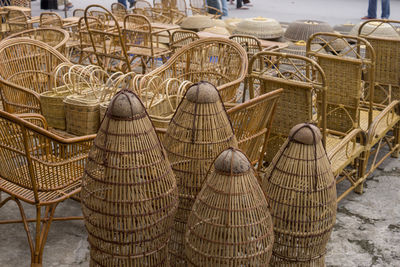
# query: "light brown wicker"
23,3
129,194
180,38
217,30
40,169
119,11
50,19
230,224
25,72
198,132
200,7
231,23
303,29
196,22
263,28
301,193
18,21
375,28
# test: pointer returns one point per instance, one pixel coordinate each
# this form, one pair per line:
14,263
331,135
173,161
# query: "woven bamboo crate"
301,193
230,224
129,193
197,133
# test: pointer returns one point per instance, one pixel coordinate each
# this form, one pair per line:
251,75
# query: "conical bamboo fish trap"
198,132
129,193
301,193
230,224
302,29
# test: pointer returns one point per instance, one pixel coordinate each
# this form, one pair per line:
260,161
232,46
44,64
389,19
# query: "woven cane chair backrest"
50,19
344,76
181,38
17,21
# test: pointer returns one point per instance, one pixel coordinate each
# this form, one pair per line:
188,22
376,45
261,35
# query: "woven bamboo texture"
129,193
17,21
181,38
25,72
119,11
40,169
216,60
24,3
252,121
230,224
56,38
198,132
200,7
263,28
301,193
50,19
303,29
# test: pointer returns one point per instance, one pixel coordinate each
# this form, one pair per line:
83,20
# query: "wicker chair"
79,12
18,21
56,38
304,99
107,44
25,72
119,11
217,60
142,41
252,121
200,7
40,169
24,3
345,111
181,38
50,19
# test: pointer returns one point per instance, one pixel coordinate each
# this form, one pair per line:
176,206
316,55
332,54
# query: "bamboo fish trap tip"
125,104
305,133
202,92
232,161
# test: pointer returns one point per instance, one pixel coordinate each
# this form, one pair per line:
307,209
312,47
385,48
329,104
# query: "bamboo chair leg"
396,141
362,166
245,86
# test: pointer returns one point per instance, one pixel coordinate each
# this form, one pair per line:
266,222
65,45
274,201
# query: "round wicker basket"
231,24
197,22
303,29
199,130
218,23
376,29
343,28
301,193
217,30
129,194
262,28
336,45
230,224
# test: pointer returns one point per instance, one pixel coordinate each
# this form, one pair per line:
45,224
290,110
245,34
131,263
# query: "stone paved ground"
367,231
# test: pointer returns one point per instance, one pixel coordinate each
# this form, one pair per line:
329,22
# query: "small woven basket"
262,28
301,193
303,29
230,224
197,133
129,194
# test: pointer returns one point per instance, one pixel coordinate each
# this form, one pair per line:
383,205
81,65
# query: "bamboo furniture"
301,193
129,194
17,21
263,28
230,224
181,38
50,19
200,7
199,130
302,29
219,61
119,11
386,91
25,72
107,44
304,99
79,12
22,3
40,169
252,121
350,80
142,42
56,38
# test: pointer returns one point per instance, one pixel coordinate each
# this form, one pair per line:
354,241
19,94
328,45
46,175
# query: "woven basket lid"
217,30
231,23
196,22
303,29
344,28
124,200
376,29
218,23
199,130
230,224
301,192
263,28
336,45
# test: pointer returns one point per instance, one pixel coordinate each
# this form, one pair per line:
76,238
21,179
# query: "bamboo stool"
129,194
230,224
301,193
197,133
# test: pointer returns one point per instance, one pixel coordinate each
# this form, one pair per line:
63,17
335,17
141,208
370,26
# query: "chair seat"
141,51
364,118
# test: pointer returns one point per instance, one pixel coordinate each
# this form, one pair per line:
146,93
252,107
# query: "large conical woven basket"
303,29
262,28
301,193
199,130
196,22
376,29
230,224
129,193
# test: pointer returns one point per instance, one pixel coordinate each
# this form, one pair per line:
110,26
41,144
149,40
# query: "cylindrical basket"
301,193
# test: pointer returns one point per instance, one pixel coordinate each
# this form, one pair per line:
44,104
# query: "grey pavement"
367,231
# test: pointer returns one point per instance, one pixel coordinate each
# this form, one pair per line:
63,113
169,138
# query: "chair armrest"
34,118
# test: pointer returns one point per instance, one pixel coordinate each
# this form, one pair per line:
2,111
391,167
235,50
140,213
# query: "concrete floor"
367,231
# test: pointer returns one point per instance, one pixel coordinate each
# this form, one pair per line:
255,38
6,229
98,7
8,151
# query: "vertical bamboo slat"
129,194
301,191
